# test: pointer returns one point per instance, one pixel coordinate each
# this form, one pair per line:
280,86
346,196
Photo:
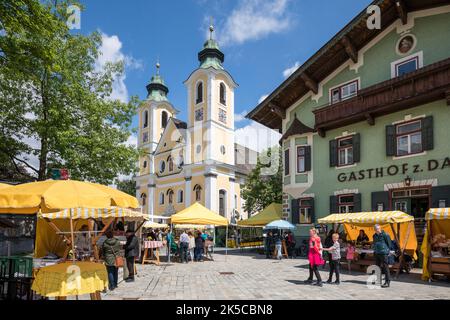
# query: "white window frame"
396,63
306,210
346,205
341,87
408,135
180,195
346,151
298,158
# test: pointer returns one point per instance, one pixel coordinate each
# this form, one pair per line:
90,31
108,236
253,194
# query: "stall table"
71,279
154,252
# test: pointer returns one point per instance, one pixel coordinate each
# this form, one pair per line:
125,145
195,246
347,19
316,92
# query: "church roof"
296,127
211,56
179,124
157,90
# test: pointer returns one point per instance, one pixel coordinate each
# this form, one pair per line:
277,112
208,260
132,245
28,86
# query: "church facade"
195,161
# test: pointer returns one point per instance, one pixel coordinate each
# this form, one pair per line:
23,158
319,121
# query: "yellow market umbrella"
59,194
198,214
271,213
4,185
189,226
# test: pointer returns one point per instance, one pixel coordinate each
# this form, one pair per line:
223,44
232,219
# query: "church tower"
211,108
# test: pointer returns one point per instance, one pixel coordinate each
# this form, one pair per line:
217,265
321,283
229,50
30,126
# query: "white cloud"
111,51
255,19
263,97
291,70
238,117
257,137
132,141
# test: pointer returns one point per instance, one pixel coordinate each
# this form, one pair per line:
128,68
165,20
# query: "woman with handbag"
113,260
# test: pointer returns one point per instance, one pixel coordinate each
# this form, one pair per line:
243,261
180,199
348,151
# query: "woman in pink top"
314,257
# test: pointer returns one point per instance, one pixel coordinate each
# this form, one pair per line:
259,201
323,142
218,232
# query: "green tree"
127,186
264,183
55,103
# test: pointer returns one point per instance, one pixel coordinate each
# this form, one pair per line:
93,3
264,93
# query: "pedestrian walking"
110,250
131,252
278,244
314,257
184,247
335,258
199,247
191,245
381,248
268,244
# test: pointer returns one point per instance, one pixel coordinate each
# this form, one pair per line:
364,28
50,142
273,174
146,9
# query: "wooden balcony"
424,85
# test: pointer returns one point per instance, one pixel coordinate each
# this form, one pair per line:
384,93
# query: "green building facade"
371,130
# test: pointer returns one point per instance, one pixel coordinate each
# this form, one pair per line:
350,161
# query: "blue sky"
262,40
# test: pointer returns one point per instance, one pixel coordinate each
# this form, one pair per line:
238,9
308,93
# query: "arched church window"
161,198
180,196
164,118
170,195
143,199
199,98
222,202
170,162
145,119
223,94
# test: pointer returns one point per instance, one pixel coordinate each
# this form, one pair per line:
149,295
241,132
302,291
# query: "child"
335,260
350,254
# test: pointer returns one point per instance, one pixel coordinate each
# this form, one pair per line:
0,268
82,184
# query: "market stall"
280,225
197,214
254,238
436,244
399,226
67,201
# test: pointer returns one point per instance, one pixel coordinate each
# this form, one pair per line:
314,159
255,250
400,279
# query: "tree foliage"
55,104
260,189
127,186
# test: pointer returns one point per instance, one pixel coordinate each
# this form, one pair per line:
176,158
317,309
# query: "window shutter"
380,197
427,133
334,204
308,158
286,162
313,213
356,148
357,202
333,153
390,141
440,193
295,211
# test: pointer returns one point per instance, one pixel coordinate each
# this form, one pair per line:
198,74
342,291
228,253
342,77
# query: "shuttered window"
345,151
286,162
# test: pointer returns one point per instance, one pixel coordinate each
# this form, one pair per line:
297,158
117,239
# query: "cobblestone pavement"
254,277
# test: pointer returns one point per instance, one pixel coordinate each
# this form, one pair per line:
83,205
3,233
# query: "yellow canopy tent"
438,222
271,213
52,196
49,195
50,225
197,214
399,226
4,186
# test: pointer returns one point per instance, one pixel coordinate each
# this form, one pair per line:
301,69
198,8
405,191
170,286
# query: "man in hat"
131,252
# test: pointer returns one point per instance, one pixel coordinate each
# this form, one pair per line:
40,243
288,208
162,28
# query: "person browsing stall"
131,252
110,250
381,247
184,246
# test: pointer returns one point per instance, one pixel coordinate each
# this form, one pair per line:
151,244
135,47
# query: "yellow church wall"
200,180
228,107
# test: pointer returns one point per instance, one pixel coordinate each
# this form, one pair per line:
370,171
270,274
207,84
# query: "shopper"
110,250
381,248
131,252
314,257
268,244
335,258
278,244
199,247
83,243
184,247
328,243
191,245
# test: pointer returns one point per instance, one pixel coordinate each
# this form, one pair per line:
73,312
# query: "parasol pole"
169,247
72,237
226,242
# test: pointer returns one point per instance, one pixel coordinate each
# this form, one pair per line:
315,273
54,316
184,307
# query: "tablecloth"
153,244
68,279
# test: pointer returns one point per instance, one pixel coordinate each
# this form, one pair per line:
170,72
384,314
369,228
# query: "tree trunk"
42,175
